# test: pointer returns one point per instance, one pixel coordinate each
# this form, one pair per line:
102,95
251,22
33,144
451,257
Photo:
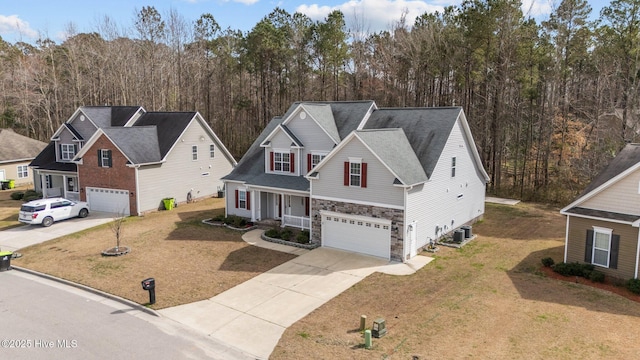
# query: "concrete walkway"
496,200
253,315
27,235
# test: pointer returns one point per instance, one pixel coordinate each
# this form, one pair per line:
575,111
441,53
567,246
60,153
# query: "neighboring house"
123,159
603,223
383,182
16,152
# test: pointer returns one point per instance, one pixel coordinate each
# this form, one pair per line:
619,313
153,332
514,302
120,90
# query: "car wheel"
83,213
46,222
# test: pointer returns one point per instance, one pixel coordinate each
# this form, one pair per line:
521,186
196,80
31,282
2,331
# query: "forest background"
549,103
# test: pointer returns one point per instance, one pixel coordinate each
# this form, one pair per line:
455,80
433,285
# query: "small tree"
117,226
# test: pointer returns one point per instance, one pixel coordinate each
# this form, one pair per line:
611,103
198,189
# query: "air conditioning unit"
458,235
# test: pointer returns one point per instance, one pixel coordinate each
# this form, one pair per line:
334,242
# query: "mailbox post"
150,285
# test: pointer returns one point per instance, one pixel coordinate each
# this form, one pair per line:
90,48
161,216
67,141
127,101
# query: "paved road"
43,319
23,236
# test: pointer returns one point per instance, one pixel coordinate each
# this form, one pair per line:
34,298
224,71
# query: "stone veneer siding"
395,215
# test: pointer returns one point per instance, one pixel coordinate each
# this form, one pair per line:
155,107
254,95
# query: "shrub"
18,195
219,217
235,221
272,233
286,234
548,262
634,285
571,269
596,276
31,195
303,237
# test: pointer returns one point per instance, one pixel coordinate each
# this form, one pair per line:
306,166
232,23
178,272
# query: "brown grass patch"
488,300
9,208
190,261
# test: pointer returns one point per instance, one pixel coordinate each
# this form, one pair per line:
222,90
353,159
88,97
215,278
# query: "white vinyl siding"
621,197
176,177
439,202
379,190
230,200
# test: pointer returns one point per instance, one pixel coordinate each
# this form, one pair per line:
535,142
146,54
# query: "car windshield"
31,208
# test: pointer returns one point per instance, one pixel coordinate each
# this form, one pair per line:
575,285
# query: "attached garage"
108,200
361,234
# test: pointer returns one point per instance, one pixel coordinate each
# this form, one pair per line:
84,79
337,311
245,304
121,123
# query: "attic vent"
303,115
81,117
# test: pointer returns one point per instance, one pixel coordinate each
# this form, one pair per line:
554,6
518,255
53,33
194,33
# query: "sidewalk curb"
89,289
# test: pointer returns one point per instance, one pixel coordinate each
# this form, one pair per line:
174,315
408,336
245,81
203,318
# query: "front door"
413,238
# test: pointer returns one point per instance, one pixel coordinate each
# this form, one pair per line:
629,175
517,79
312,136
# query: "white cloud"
246,2
374,15
12,24
535,8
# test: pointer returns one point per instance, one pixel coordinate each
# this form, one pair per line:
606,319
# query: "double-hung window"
355,173
316,158
104,158
601,246
281,161
67,151
23,171
453,166
194,152
242,199
212,151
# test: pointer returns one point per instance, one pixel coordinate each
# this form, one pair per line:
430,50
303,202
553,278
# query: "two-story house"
383,182
123,159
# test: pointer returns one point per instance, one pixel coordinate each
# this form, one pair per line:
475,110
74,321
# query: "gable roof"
392,148
16,147
108,116
627,161
46,159
128,141
323,116
426,129
347,116
295,142
169,125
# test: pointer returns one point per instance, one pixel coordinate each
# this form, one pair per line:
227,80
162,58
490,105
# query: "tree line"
549,103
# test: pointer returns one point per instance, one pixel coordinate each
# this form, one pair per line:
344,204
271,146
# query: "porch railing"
301,222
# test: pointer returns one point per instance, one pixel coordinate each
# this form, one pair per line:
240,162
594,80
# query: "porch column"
252,204
64,187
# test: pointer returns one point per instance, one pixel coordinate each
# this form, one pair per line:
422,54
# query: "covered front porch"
291,209
57,184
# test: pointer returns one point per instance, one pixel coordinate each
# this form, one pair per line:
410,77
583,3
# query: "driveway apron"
253,315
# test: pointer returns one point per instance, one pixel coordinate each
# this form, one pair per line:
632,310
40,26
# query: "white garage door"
108,200
366,235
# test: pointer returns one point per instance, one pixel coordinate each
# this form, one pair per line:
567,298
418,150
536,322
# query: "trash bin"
5,260
12,183
4,184
168,203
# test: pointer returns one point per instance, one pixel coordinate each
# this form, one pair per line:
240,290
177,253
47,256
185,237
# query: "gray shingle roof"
108,116
393,148
47,160
294,138
14,146
170,125
603,214
626,158
426,129
128,139
250,169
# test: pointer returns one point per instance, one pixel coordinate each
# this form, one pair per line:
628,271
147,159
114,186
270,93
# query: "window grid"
23,171
242,199
212,151
194,152
354,174
281,161
67,151
601,247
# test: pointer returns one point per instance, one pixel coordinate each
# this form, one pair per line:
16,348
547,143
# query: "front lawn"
190,261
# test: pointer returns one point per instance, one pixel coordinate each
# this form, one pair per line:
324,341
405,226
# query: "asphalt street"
43,319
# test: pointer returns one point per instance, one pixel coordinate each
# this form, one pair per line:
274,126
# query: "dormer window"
68,151
282,162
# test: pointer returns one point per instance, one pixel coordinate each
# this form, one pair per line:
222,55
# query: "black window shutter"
588,249
110,163
613,255
99,157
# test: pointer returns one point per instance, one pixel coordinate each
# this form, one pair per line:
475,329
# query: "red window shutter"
363,170
271,161
248,200
306,206
292,162
308,162
346,173
236,198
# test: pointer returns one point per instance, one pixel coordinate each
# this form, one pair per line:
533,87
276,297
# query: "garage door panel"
358,234
108,200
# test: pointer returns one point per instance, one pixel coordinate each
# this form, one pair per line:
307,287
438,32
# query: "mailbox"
148,284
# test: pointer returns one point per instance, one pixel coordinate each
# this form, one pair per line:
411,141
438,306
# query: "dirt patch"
488,300
9,208
190,261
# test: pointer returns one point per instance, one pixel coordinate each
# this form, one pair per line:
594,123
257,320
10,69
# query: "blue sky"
28,20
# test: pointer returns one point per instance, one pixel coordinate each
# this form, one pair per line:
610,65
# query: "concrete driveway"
253,315
27,235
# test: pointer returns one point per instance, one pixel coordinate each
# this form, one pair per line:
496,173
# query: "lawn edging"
88,289
288,243
220,223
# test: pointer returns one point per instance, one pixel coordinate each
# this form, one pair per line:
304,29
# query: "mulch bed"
607,285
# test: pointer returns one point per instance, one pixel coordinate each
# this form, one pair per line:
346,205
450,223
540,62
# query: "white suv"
46,211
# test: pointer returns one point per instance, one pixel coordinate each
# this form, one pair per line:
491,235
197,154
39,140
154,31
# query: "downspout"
635,275
253,205
137,194
566,238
